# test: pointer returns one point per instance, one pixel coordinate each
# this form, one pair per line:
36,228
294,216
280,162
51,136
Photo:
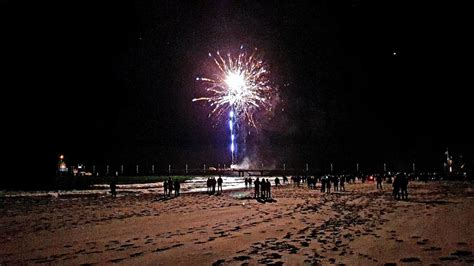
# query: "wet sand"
361,226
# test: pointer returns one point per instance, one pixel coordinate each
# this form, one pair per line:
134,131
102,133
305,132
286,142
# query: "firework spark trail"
241,85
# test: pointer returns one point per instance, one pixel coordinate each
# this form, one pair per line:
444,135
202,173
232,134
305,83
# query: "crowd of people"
400,186
338,183
169,185
263,187
211,185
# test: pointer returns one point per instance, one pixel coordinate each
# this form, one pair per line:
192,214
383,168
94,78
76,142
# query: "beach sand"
361,226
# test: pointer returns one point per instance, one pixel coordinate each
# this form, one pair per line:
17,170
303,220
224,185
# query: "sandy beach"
361,226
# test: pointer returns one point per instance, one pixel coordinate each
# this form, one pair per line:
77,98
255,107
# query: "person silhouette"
379,181
257,188
165,187
404,186
219,184
323,183
177,187
170,186
277,181
396,186
213,183
113,187
341,183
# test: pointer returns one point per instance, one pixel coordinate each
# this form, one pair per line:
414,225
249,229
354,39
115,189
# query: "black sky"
113,82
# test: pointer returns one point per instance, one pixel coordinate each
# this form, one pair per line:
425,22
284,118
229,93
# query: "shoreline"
127,189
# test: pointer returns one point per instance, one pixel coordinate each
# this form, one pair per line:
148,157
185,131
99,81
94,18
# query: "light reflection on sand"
197,184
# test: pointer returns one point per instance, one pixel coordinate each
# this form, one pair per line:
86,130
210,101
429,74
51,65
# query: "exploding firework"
241,84
240,87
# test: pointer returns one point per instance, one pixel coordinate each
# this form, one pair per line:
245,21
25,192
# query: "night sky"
359,81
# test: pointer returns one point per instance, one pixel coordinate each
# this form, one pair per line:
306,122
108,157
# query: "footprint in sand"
432,249
241,258
218,262
161,249
422,242
80,251
274,256
116,260
136,254
447,258
461,253
410,259
127,245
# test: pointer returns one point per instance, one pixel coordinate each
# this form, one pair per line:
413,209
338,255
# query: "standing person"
213,183
277,181
208,183
170,186
328,184
250,182
379,181
341,182
404,186
246,183
257,188
219,184
113,187
165,187
323,184
336,182
396,187
177,187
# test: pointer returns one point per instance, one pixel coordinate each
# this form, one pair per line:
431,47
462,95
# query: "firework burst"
241,84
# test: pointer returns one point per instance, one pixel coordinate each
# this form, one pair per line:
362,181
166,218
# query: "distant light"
232,147
231,114
230,125
394,53
61,157
233,137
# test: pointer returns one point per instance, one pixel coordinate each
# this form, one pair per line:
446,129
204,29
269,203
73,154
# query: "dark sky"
112,82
